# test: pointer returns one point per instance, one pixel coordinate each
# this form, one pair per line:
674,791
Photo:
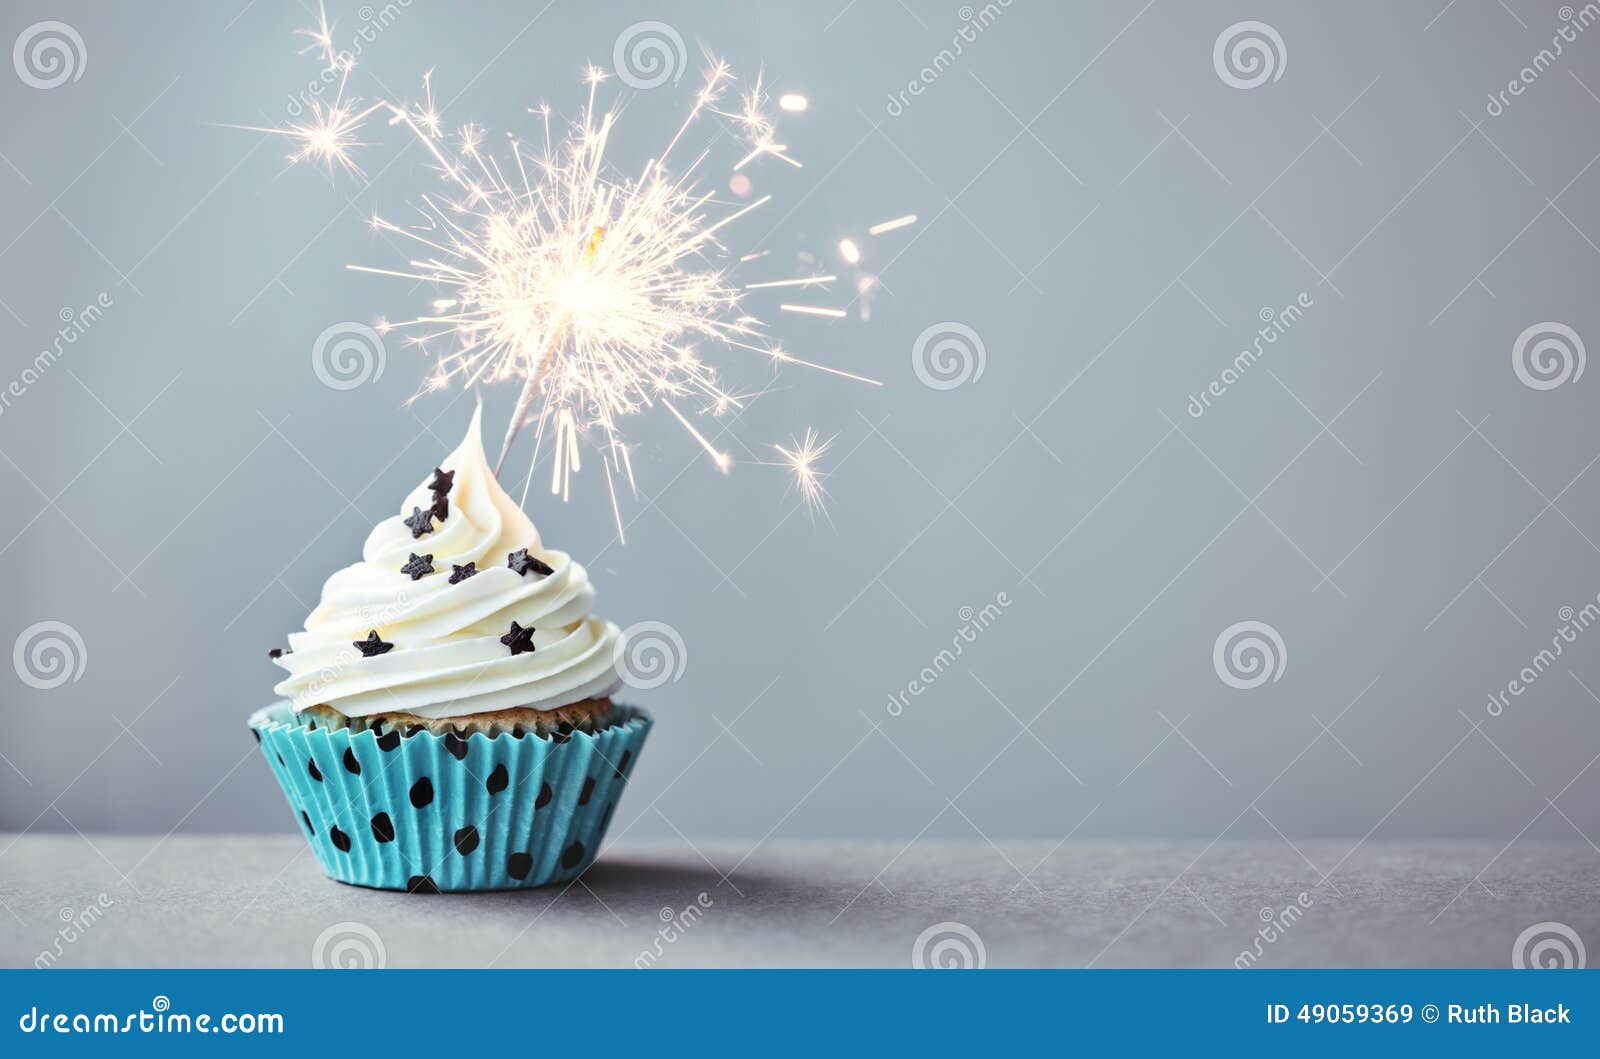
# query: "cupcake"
447,721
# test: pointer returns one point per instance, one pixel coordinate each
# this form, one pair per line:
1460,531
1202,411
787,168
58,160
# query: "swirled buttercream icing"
440,585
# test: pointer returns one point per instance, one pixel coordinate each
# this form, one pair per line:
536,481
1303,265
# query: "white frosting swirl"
447,659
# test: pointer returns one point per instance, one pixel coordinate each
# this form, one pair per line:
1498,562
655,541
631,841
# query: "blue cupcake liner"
430,813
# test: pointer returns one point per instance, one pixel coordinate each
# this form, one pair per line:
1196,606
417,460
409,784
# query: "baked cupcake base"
440,811
589,715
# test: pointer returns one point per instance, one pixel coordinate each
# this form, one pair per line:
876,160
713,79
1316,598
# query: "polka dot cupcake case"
435,813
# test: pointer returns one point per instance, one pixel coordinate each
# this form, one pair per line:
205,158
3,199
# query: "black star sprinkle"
459,574
372,645
520,640
441,507
275,653
420,522
522,562
442,481
418,565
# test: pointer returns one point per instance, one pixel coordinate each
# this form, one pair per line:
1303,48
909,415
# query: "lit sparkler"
596,290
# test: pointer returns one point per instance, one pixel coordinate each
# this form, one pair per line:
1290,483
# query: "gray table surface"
261,901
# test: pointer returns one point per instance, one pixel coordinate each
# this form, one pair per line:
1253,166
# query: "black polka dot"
562,734
545,794
518,865
572,856
412,730
422,792
627,756
350,763
498,779
421,884
466,840
311,767
341,841
389,740
382,828
306,818
588,789
456,745
282,762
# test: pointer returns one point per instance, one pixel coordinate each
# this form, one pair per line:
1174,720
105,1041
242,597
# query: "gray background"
1096,203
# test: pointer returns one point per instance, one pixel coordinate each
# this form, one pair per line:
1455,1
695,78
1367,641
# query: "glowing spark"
889,226
801,458
813,310
803,281
793,102
850,251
